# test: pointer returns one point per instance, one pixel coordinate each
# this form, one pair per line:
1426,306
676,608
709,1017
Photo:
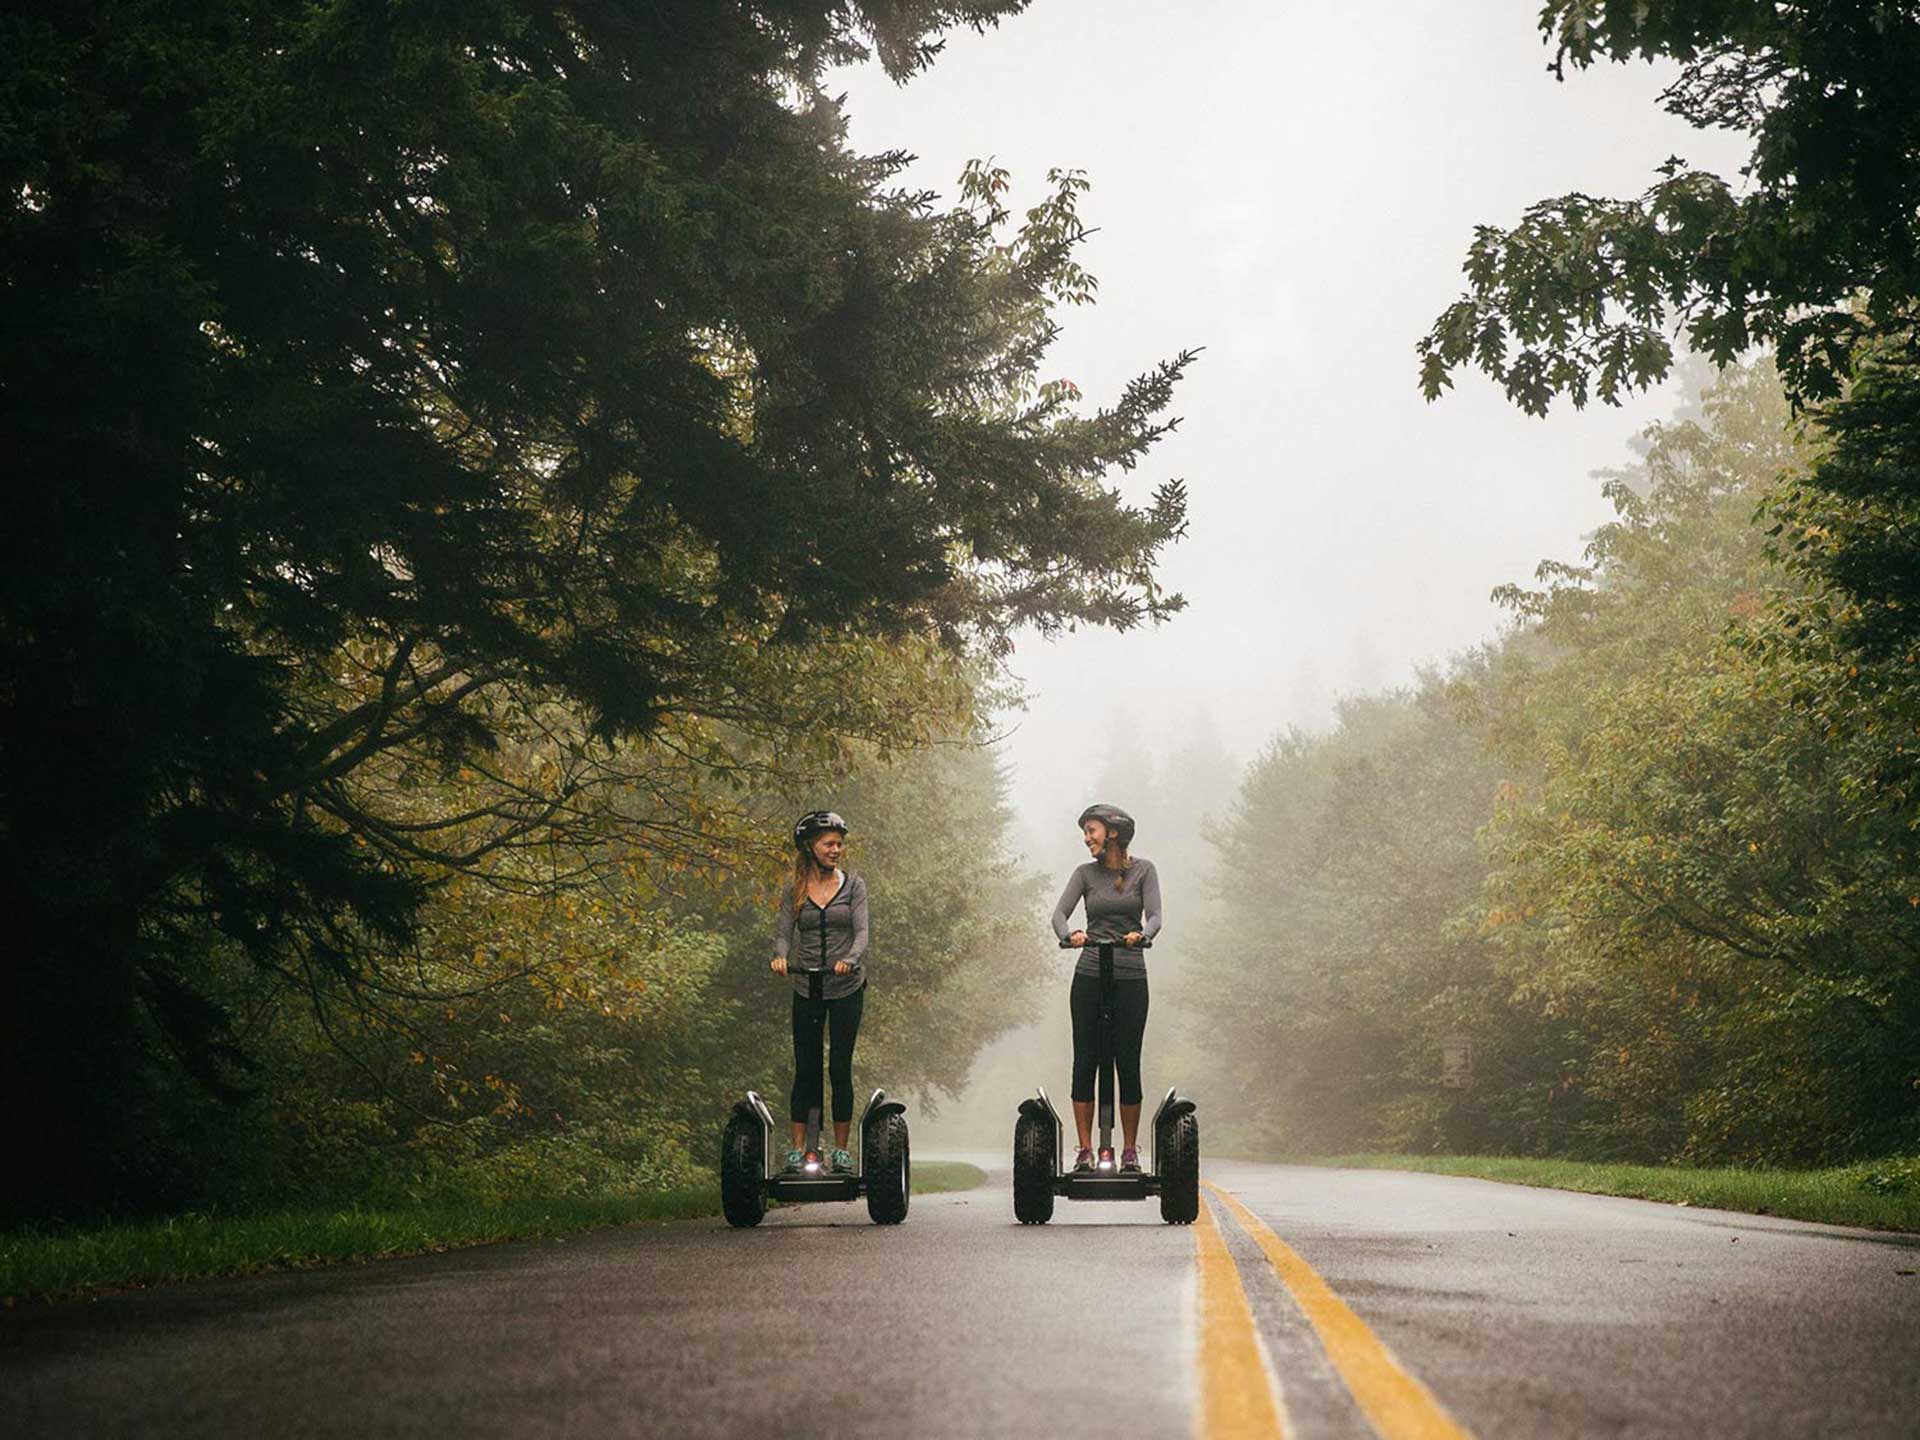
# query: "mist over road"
1513,1311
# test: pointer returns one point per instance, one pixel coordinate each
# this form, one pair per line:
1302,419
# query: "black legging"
841,1019
1129,1026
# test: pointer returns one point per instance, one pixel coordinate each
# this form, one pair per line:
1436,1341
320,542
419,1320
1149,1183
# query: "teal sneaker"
842,1163
795,1159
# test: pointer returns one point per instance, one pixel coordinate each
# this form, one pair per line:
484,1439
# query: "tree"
403,387
589,1039
1816,254
1642,853
1701,877
1329,966
1850,529
1818,250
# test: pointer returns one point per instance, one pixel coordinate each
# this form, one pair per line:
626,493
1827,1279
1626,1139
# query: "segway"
1038,1135
748,1178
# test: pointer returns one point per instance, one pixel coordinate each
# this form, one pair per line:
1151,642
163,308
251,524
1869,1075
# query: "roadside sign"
1456,1062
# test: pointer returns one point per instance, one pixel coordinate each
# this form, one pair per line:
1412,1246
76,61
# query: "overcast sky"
1292,186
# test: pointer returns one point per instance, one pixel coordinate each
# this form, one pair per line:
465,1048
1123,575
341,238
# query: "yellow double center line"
1238,1395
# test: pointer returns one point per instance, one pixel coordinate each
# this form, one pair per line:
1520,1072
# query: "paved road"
1336,1303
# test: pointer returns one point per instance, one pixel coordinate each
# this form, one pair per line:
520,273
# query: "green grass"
113,1257
935,1177
1880,1195
75,1262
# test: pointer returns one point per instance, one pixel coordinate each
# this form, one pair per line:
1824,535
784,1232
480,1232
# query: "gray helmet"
1119,824
813,823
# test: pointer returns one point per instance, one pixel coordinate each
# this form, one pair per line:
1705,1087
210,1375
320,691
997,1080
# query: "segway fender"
755,1109
1038,1104
1171,1109
1041,1107
1176,1106
879,1107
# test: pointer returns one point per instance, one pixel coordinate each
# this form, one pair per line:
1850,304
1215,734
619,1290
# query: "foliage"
1814,253
1727,806
1688,926
436,417
1703,876
1847,530
1331,968
586,1041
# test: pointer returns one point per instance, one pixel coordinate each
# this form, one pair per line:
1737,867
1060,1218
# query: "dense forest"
1640,879
1638,861
493,466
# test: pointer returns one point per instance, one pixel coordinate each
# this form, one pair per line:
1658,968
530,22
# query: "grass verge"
934,1177
1879,1195
76,1262
80,1262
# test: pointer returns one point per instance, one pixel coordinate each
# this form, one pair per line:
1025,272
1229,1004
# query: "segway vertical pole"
816,984
1107,1058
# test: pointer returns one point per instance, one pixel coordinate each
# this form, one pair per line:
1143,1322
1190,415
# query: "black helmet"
1119,824
815,822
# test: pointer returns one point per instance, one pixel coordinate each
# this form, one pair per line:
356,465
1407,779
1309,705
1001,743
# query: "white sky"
1292,186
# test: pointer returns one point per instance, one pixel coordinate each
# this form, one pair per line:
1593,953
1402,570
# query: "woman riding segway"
823,927
1121,894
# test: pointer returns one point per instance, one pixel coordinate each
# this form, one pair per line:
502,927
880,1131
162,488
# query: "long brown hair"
1111,848
804,869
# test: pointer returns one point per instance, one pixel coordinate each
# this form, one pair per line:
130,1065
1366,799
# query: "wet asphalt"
1526,1312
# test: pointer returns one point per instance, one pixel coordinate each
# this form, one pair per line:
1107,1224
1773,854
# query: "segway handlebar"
1146,943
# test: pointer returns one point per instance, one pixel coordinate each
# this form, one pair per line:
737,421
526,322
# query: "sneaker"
842,1162
795,1159
1130,1160
1083,1161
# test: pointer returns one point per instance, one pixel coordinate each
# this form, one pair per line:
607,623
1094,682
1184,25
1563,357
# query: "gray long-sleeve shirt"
1112,913
817,936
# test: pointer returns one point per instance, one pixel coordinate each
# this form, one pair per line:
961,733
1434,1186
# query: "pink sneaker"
1130,1160
1083,1161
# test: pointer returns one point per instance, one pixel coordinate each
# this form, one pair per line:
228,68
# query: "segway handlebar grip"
1146,943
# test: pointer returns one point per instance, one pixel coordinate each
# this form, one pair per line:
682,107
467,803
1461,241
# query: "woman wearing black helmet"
1122,898
823,925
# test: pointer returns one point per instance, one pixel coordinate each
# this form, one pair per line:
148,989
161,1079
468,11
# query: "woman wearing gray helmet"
823,927
1122,897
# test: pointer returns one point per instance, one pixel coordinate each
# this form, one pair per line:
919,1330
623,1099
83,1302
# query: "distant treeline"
1637,881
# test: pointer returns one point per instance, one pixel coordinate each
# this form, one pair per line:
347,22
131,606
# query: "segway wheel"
889,1171
1180,1172
742,1158
1033,1152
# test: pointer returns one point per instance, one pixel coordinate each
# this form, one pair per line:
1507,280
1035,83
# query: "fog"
1292,187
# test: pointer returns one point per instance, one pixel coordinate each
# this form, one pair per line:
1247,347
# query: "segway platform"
748,1178
1173,1174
